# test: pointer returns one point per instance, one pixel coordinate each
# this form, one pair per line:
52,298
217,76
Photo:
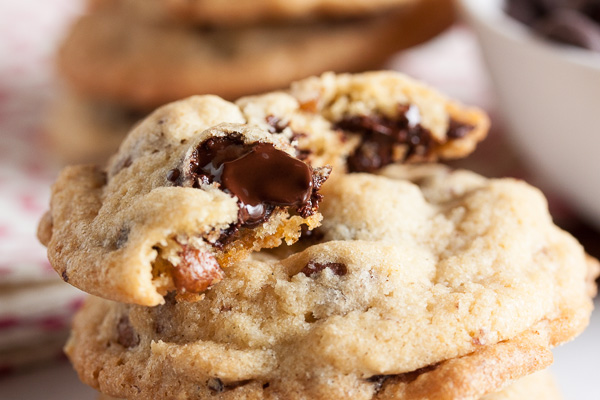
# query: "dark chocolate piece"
126,335
407,377
259,175
385,140
197,270
312,268
381,135
276,125
173,175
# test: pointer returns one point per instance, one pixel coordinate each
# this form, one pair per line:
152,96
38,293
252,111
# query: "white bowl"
549,95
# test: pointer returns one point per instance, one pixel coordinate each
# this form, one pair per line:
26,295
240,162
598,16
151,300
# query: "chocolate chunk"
407,377
574,22
126,335
385,140
381,136
197,270
173,175
276,125
259,175
313,268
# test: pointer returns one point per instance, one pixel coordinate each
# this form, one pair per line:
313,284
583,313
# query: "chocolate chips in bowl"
573,22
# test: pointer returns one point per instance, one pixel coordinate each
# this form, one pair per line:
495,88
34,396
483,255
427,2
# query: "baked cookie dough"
429,284
540,385
114,55
157,219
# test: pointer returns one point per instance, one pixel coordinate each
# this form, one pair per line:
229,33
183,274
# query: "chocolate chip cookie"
424,283
202,182
114,54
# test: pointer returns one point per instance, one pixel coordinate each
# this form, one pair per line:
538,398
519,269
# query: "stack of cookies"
304,245
127,57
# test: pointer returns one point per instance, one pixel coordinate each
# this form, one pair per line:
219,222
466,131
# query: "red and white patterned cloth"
35,306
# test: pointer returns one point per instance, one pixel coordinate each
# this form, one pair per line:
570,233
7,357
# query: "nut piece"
197,270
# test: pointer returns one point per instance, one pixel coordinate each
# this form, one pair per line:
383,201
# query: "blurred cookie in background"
113,55
82,130
127,57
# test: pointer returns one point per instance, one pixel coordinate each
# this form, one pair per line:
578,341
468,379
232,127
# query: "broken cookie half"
183,199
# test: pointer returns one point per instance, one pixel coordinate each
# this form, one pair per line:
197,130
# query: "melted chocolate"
259,175
382,136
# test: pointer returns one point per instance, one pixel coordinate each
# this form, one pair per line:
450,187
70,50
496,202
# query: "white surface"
550,97
576,368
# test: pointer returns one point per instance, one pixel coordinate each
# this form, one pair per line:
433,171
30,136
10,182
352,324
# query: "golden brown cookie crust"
539,385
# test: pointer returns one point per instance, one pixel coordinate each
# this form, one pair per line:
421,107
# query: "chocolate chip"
378,380
227,236
259,175
313,268
382,137
575,22
407,377
65,276
126,335
197,270
276,125
265,385
215,385
173,175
